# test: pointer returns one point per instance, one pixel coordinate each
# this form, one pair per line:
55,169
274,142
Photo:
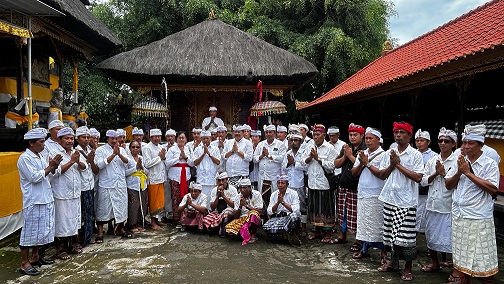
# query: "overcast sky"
416,17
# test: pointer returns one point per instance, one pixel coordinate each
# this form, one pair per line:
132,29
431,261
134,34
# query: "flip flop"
127,234
359,255
356,247
447,263
429,268
99,240
312,236
253,240
407,276
63,255
386,268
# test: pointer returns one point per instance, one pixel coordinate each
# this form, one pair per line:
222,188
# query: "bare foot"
155,227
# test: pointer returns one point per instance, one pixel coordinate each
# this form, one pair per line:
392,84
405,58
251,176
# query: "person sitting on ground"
283,213
223,200
248,213
193,207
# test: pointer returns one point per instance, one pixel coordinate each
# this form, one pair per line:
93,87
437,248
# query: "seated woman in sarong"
247,214
193,207
283,213
223,200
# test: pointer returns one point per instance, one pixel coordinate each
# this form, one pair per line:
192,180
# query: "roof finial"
387,47
211,15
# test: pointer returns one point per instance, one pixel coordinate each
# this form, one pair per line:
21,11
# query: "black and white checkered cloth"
494,128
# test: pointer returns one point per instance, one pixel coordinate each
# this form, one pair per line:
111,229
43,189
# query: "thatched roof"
211,52
80,21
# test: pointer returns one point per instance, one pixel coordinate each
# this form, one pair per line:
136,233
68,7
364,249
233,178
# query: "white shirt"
113,174
294,172
222,166
172,158
487,151
206,121
206,169
133,182
235,165
315,171
338,146
50,145
254,201
271,166
87,175
153,163
469,201
35,185
230,192
439,198
66,185
291,197
201,200
370,185
399,190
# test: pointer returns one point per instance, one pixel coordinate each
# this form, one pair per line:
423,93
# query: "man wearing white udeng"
154,161
206,159
112,194
211,121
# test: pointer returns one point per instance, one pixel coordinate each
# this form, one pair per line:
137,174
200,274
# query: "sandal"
454,279
312,236
356,247
127,234
63,255
447,263
429,268
407,276
99,240
253,240
74,250
386,268
359,255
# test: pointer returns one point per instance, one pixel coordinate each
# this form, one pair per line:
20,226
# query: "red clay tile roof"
474,32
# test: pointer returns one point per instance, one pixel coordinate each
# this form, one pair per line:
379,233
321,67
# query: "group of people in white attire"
236,186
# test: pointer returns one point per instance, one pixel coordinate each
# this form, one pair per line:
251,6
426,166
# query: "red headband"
318,127
356,128
404,126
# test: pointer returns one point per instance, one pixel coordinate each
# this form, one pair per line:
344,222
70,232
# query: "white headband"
375,132
65,131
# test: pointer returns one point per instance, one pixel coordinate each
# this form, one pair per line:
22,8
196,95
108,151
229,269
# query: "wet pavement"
169,256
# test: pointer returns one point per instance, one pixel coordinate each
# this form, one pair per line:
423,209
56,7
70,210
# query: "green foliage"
338,36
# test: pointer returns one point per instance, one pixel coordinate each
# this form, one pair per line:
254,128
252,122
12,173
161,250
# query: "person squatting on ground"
283,213
248,212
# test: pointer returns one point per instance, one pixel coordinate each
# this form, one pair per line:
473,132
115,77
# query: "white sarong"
438,231
38,225
67,217
111,203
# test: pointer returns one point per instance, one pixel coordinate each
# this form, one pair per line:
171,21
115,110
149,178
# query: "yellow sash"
143,178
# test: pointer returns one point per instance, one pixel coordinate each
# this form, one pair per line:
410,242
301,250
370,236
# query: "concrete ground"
169,255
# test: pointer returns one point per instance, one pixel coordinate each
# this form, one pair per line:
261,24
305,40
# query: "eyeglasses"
446,141
135,147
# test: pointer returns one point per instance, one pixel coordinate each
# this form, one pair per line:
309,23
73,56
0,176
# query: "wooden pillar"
462,86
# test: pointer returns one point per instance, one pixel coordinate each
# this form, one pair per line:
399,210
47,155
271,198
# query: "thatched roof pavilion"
211,52
211,63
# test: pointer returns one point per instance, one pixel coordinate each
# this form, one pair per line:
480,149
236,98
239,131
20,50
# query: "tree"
339,36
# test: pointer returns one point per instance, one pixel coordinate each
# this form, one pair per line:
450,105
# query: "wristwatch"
368,165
